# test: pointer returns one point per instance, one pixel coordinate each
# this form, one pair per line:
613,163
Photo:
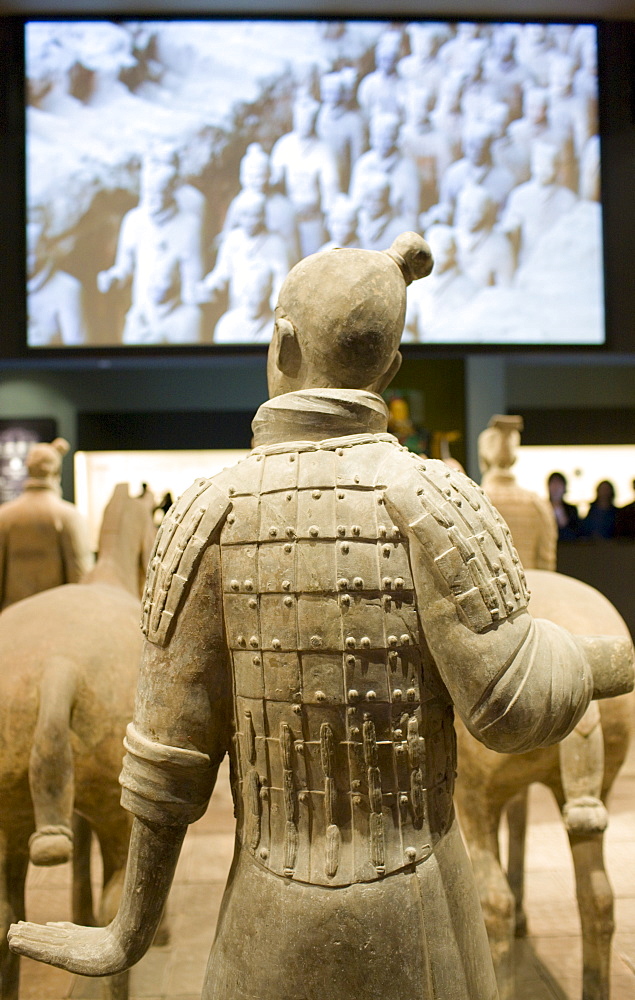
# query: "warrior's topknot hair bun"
412,255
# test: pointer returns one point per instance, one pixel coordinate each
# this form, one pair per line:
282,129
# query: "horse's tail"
51,771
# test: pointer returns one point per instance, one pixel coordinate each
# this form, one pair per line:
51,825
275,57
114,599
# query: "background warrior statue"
315,612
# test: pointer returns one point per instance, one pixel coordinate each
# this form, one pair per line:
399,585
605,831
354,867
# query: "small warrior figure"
316,612
43,539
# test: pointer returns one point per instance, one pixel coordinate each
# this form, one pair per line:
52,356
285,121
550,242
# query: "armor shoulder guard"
467,539
186,531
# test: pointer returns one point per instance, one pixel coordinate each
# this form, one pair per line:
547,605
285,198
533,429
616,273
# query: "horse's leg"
595,901
83,912
480,820
51,777
582,773
13,865
516,812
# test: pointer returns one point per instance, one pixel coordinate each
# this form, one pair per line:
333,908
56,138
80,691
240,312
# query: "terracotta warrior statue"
316,612
534,531
43,539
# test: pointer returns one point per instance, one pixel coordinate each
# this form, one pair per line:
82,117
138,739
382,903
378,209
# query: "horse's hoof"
584,816
51,846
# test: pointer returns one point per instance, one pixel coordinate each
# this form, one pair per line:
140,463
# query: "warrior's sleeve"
74,545
517,682
181,727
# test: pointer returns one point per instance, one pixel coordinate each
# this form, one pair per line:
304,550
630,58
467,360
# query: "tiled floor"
548,962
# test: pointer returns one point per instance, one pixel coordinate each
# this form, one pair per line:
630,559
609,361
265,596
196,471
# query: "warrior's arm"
517,682
175,745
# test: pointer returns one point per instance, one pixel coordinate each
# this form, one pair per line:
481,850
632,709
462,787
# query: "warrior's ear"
384,380
289,355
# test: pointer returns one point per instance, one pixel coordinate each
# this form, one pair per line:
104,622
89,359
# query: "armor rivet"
292,458
496,567
286,585
288,602
345,547
356,529
392,640
264,792
355,730
395,533
371,695
398,733
249,584
342,583
509,606
276,644
289,532
231,518
350,642
340,451
411,694
241,640
341,530
411,853
386,550
404,801
405,640
256,661
289,496
316,494
423,468
420,491
288,548
253,603
458,501
358,583
320,696
264,853
303,796
254,641
350,660
399,748
316,641
447,475
231,491
299,747
387,600
382,530
495,613
340,495
297,709
345,600
273,531
314,531
353,695
356,784
365,642
201,482
259,458
380,499
356,479
397,693
386,582
448,492
351,713
234,585
367,717
398,582
357,799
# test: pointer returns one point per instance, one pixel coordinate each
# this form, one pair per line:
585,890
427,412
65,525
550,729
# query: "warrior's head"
340,317
44,461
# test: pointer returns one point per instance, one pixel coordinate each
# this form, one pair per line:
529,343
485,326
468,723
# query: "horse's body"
490,782
69,658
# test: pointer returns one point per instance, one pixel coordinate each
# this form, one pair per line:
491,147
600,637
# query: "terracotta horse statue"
490,784
69,661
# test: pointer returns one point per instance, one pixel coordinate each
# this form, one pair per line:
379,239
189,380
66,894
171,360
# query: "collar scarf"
319,414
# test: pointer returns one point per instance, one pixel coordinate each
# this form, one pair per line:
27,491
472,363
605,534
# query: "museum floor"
548,962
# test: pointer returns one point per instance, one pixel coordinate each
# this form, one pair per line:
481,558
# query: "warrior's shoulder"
189,527
465,537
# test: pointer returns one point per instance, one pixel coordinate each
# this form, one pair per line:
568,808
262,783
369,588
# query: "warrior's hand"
85,951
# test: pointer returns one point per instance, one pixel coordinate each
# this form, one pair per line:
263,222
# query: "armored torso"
344,745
